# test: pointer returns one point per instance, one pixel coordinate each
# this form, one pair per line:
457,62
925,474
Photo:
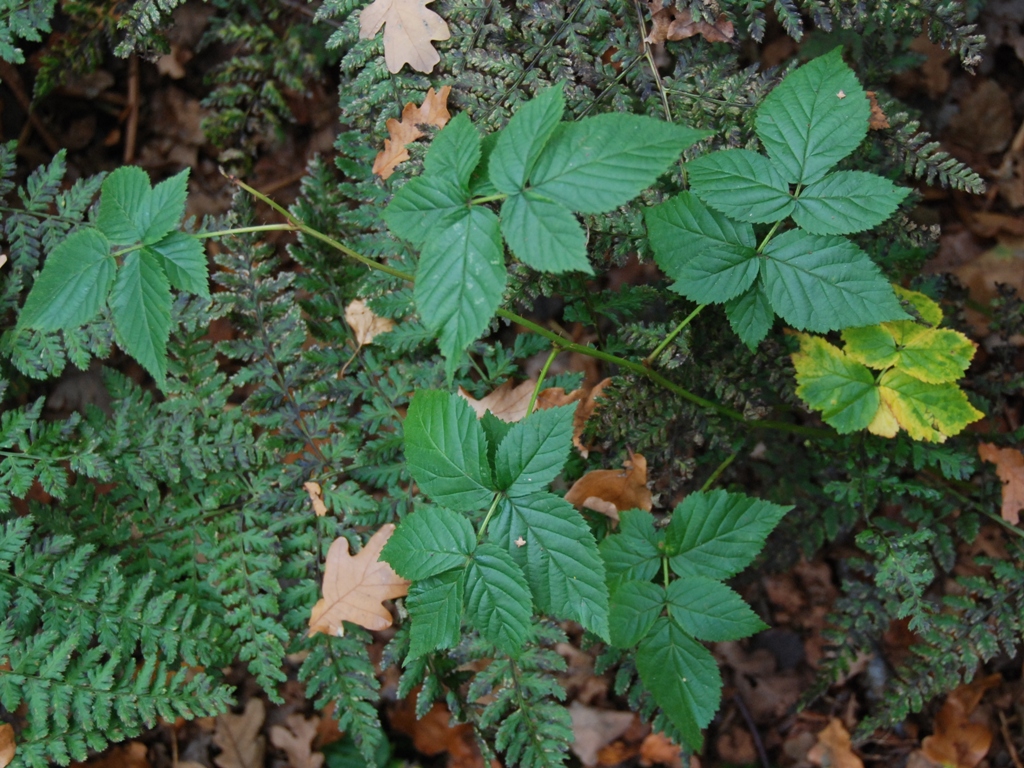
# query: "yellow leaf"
238,737
884,423
410,27
433,111
928,309
365,324
355,586
1010,468
929,412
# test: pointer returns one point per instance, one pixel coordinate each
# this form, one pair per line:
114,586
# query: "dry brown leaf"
433,111
410,28
669,23
134,754
959,741
658,749
1010,469
878,120
239,739
355,586
316,496
507,402
834,748
7,745
365,324
295,737
433,734
610,491
594,728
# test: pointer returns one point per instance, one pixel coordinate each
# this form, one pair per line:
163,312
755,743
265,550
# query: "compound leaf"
682,676
183,259
741,184
73,284
933,355
435,607
498,599
847,201
124,211
140,305
520,143
817,116
635,606
421,204
446,451
709,610
533,452
831,382
166,206
543,234
634,553
718,534
428,542
929,412
750,314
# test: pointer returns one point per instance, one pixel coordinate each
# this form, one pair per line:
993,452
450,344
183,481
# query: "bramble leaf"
130,211
140,305
553,544
709,610
454,152
543,234
428,542
934,355
831,382
682,676
929,412
520,143
498,599
750,314
634,552
741,184
635,606
183,259
601,162
446,451
845,202
73,285
817,116
533,452
718,534
435,606
421,204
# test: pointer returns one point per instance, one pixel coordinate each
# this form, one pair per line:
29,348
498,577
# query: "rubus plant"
208,510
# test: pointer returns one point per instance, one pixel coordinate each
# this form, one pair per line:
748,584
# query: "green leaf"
750,314
454,152
435,607
124,211
520,143
821,283
934,355
446,451
421,204
553,544
495,429
815,118
479,181
461,278
534,451
831,382
498,600
598,163
635,606
166,207
847,201
683,678
429,542
543,234
634,553
928,309
709,610
711,257
183,259
74,283
140,304
718,534
929,412
741,184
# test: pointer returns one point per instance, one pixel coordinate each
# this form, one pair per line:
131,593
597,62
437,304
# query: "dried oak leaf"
364,323
594,728
834,748
7,745
316,496
410,26
355,586
238,737
957,740
668,23
1010,469
295,737
433,111
610,491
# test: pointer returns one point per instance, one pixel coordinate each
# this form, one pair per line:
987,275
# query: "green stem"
487,199
540,379
487,518
669,339
771,233
246,230
664,571
719,470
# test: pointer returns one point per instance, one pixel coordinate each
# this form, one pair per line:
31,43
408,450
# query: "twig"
1009,741
131,131
752,727
9,75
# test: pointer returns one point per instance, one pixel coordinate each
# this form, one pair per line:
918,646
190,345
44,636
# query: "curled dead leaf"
669,23
834,748
1010,469
433,111
355,587
610,491
409,27
364,323
7,744
295,737
316,497
238,737
958,740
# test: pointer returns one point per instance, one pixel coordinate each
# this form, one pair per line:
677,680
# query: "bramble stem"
719,470
487,517
671,337
540,379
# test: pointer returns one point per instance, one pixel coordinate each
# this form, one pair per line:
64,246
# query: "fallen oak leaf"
433,112
364,323
1010,469
610,491
238,737
134,754
355,587
958,741
834,748
410,27
295,738
668,23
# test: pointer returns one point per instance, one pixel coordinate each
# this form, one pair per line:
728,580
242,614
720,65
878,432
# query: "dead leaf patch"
239,739
834,748
364,323
610,491
959,741
878,120
355,587
7,745
594,728
409,27
1010,469
433,111
669,23
295,737
316,497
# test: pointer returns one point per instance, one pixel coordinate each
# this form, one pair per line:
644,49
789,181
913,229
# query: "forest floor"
150,114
